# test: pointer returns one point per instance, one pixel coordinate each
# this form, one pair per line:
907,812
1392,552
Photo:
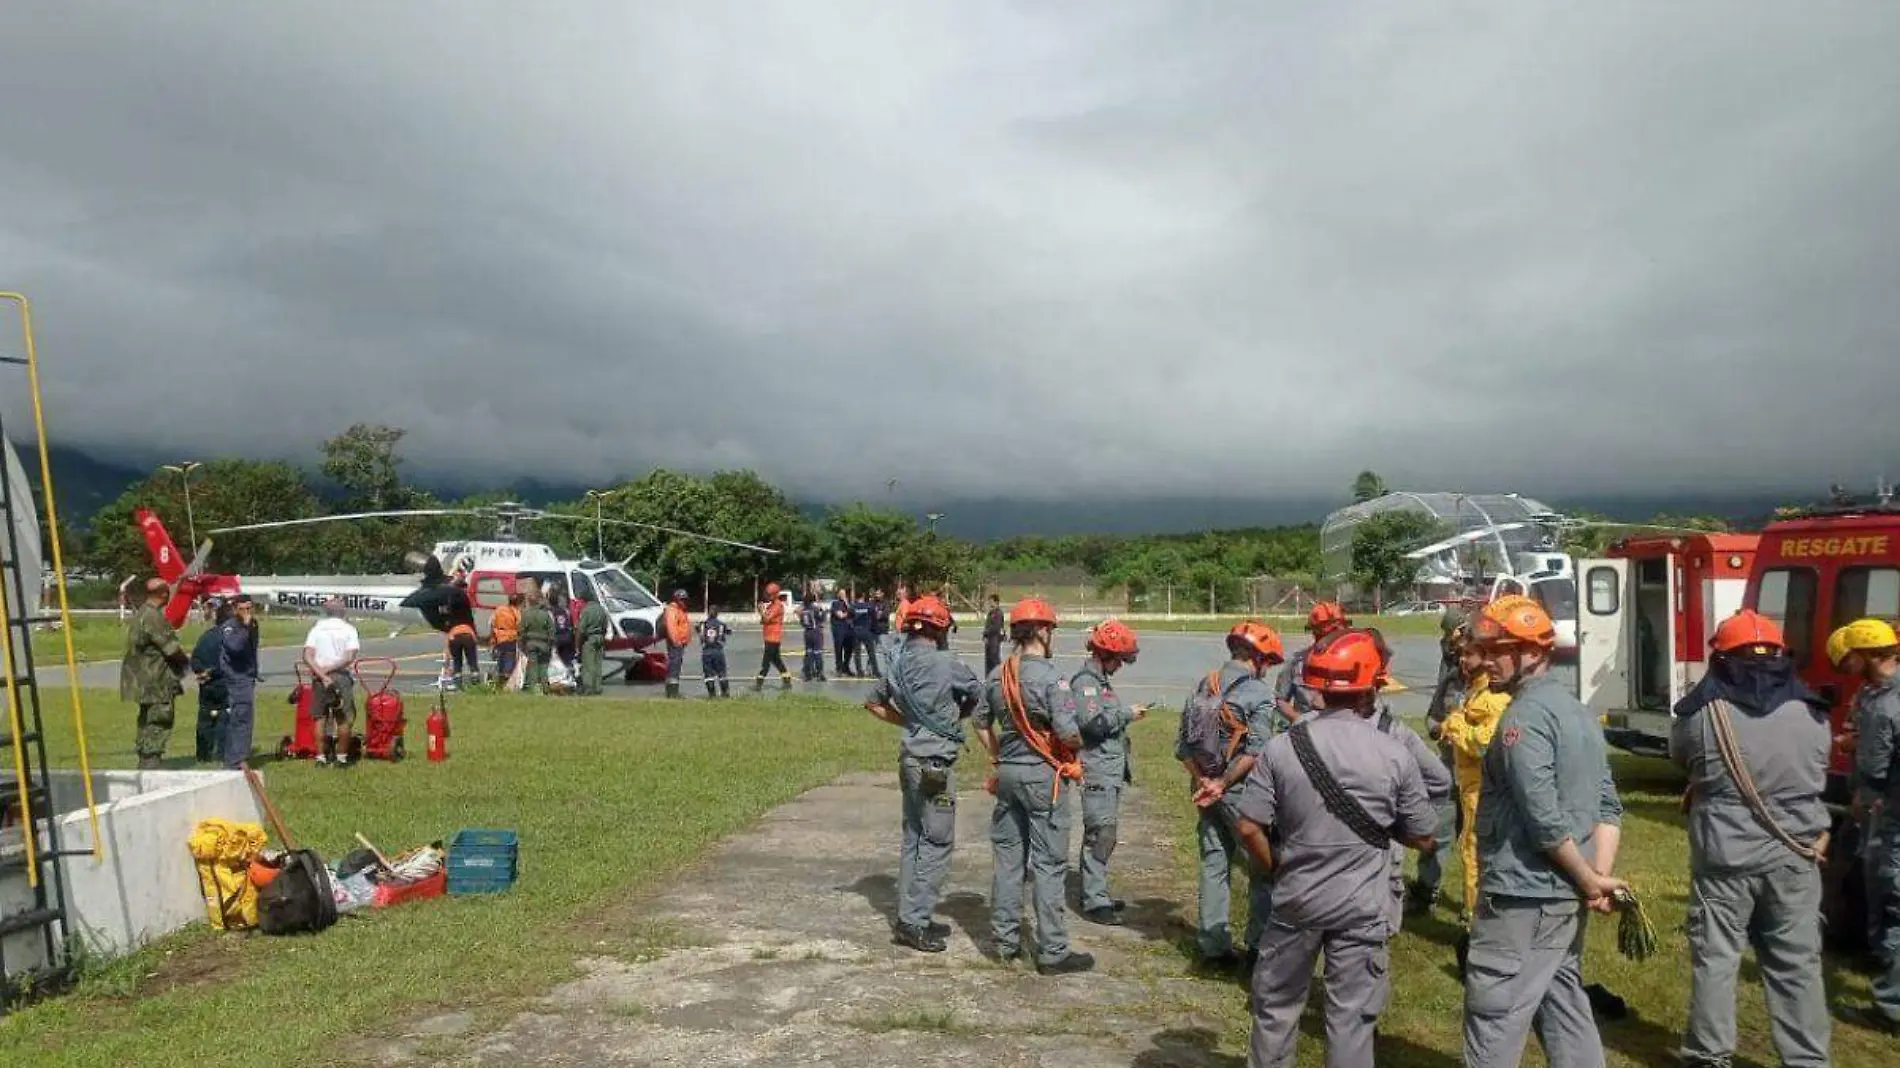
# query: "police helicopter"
460,581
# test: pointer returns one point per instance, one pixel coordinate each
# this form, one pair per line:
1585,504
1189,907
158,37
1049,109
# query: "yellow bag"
224,851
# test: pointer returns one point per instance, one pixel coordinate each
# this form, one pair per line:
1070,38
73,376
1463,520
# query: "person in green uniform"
149,673
537,644
593,637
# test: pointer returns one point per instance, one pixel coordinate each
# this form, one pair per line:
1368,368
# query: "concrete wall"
146,885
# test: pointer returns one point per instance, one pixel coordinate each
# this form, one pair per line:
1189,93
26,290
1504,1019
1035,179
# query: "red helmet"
1257,639
1032,610
927,611
1326,616
1113,637
1349,664
1748,630
1514,620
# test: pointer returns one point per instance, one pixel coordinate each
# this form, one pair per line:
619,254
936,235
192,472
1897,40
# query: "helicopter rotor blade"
654,526
281,523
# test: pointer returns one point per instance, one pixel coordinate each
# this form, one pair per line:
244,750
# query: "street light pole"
184,471
600,550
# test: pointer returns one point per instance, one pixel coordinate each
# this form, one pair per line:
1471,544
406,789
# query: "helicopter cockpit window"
618,585
582,586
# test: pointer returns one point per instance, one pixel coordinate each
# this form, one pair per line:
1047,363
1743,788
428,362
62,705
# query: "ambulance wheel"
397,750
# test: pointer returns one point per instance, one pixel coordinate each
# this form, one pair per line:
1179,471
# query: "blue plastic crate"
483,861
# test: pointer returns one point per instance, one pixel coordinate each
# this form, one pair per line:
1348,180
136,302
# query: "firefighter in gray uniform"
1438,786
1755,743
1870,649
1028,725
1105,768
1338,793
1549,824
926,691
1290,697
1225,724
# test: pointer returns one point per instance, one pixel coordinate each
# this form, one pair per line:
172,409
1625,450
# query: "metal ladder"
26,788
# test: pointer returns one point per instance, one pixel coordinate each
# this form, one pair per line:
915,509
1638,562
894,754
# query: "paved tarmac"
1171,663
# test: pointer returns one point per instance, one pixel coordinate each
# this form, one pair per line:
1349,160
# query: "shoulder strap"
1731,752
900,694
1344,807
1237,729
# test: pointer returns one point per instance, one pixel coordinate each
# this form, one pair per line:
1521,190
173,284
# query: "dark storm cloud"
1624,246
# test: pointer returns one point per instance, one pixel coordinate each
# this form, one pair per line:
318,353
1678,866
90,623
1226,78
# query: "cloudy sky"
988,248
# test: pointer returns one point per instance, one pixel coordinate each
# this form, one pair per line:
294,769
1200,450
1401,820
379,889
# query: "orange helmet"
1351,664
1514,619
1113,637
1326,616
1032,610
927,611
1748,630
771,589
1258,639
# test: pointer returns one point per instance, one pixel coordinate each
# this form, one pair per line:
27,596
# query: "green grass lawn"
610,797
1422,1026
97,638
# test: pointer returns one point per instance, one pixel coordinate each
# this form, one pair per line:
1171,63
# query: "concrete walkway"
776,950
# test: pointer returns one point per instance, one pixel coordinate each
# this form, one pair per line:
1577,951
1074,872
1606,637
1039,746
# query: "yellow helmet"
1862,635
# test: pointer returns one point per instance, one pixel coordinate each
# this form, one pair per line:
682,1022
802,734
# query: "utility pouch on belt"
935,778
1344,807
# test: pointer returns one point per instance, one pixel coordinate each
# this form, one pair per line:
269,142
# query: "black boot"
758,684
725,688
1104,915
672,690
712,688
919,939
1073,964
784,682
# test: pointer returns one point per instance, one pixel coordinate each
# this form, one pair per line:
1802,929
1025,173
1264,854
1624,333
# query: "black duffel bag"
300,899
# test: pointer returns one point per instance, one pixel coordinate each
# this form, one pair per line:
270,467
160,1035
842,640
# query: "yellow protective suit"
224,851
1468,730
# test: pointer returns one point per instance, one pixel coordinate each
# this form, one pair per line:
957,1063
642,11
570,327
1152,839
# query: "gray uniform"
1330,890
1104,722
1877,776
934,691
1288,688
1438,788
1746,886
1252,700
1029,829
1449,694
1546,779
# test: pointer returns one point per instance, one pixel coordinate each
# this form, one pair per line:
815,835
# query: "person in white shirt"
330,654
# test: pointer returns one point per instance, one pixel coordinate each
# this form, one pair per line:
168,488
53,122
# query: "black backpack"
299,899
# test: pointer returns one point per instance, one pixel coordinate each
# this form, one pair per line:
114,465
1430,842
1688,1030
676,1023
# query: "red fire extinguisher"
438,728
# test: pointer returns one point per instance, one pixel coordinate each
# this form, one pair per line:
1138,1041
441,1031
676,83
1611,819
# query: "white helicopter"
488,570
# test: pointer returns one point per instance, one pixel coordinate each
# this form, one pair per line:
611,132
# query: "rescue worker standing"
1549,824
772,632
1104,722
713,633
677,628
811,620
1339,793
330,652
993,630
1447,696
1755,743
841,634
1218,762
149,672
237,663
537,644
1290,697
1468,731
863,639
1869,648
1028,725
504,635
213,697
927,692
592,634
